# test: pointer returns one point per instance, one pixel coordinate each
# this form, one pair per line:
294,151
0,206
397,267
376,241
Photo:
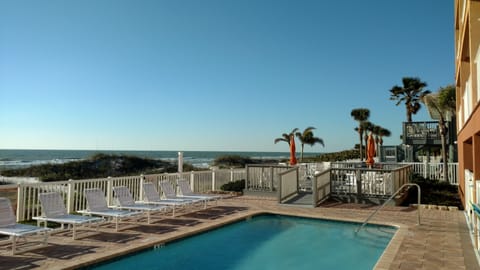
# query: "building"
467,78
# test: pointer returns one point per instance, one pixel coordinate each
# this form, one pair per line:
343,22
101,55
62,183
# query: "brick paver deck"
442,241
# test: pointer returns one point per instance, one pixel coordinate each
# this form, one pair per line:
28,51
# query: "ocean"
24,158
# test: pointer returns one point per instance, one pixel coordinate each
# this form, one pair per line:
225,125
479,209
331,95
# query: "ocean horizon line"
140,150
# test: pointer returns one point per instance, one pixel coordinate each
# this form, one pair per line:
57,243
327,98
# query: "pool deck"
442,241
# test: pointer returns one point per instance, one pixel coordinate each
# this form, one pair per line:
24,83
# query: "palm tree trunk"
361,148
301,157
409,114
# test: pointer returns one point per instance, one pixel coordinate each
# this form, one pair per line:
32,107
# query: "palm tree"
306,137
443,103
381,132
360,115
376,134
286,137
411,94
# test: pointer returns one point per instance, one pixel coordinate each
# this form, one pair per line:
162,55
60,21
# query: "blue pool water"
268,242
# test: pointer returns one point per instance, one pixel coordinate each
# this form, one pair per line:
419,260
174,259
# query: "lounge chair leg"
45,238
14,244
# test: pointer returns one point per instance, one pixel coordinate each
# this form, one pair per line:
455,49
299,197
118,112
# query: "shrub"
236,186
228,161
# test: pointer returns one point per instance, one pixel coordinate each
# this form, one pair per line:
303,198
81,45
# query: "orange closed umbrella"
370,150
293,159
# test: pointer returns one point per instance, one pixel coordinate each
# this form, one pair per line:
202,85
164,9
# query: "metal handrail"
390,198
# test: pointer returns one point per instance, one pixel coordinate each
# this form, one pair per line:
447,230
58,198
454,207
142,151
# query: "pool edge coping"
383,262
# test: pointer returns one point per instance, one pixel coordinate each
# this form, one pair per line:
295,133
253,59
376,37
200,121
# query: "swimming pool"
268,242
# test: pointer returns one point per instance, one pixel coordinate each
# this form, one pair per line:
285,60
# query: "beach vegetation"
410,93
335,156
307,137
97,166
237,161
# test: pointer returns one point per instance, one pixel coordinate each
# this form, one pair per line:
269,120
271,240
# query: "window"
467,100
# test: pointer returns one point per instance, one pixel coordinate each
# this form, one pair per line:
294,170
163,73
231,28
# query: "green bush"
236,186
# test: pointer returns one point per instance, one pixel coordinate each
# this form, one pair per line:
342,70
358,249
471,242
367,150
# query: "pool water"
268,242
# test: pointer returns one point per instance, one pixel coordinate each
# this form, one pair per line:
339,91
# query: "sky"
212,75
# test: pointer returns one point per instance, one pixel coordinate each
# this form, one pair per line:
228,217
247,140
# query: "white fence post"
109,190
231,174
70,195
142,180
192,181
20,204
425,169
213,180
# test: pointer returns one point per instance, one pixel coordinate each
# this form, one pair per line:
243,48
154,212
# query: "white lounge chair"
151,195
187,192
169,193
125,201
8,226
53,210
97,206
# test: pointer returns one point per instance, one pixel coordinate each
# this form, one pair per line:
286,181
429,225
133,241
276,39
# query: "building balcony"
422,133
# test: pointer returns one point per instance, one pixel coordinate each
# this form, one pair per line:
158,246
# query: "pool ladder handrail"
389,199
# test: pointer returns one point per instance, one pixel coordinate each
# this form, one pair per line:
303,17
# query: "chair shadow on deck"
17,262
215,212
65,252
180,221
121,238
153,229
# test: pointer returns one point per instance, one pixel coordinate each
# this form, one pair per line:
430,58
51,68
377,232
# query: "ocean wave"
15,164
18,180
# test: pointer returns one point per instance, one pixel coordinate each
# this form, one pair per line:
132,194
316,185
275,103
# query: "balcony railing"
423,133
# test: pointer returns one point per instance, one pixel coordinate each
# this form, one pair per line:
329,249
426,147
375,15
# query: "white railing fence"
321,187
363,182
435,170
432,170
72,191
262,177
288,184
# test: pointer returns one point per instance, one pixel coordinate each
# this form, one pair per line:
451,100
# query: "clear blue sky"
212,74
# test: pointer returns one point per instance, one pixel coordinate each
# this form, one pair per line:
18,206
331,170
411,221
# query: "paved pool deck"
442,241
